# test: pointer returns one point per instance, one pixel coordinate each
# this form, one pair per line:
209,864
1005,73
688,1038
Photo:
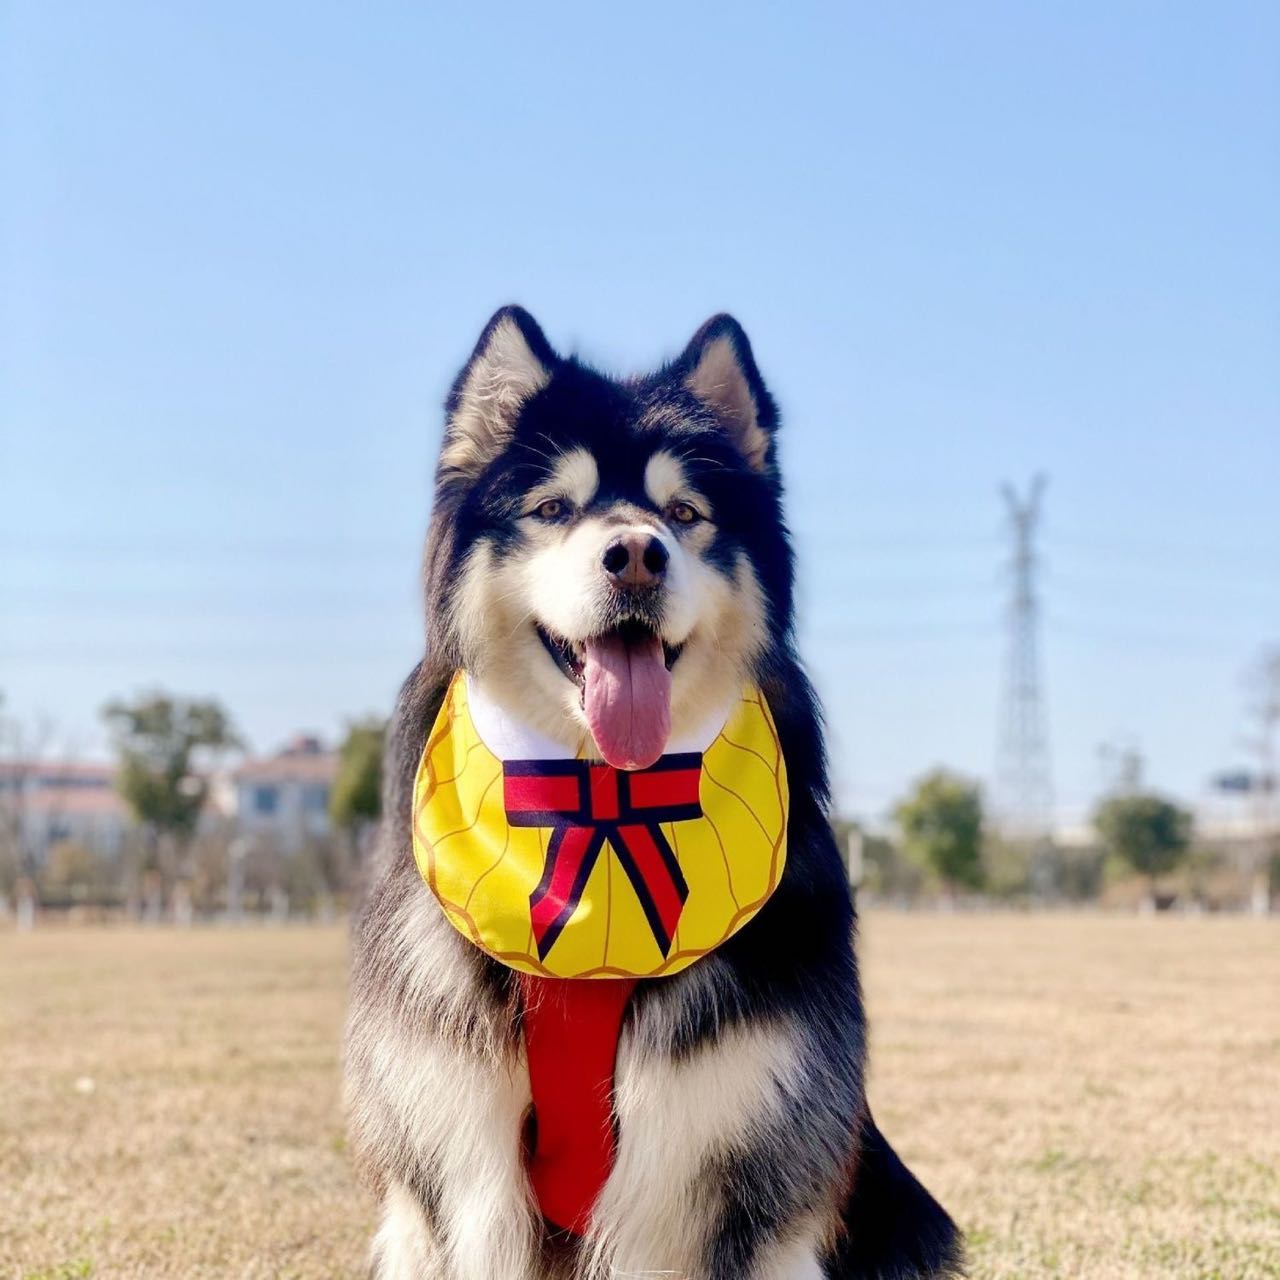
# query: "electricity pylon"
1024,785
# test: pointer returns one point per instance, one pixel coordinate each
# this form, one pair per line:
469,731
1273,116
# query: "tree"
355,800
11,867
161,742
941,823
1264,712
72,870
1264,709
1148,832
21,747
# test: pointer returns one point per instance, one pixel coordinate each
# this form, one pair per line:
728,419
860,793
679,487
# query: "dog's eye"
551,509
685,513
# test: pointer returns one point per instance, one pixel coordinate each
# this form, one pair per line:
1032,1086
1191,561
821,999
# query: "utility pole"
1025,792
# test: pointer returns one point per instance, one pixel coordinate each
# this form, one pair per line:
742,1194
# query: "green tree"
941,823
161,741
355,800
356,796
1146,831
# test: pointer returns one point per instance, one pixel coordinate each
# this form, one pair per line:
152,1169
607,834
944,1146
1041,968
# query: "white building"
285,797
44,803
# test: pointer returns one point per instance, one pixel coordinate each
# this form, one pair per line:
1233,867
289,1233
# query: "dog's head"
608,557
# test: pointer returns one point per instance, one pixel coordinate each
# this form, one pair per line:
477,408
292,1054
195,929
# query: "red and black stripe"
589,805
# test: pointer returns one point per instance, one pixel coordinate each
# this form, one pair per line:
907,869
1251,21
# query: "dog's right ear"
512,362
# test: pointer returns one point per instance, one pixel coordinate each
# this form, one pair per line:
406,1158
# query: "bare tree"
22,747
1262,684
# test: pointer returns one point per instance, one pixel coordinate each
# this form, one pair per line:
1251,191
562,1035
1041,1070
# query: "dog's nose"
636,560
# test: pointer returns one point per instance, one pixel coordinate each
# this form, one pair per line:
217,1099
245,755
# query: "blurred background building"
285,797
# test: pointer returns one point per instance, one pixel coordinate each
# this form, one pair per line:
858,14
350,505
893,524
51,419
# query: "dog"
608,563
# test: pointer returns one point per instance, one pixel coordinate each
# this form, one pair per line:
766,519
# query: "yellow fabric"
483,868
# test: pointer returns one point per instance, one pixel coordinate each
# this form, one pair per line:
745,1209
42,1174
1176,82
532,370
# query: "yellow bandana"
570,869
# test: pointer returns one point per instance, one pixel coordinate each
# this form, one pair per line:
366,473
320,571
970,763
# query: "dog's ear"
718,368
512,362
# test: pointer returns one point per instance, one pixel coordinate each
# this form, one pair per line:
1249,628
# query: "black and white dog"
745,1147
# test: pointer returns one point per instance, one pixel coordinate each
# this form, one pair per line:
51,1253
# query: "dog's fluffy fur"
746,1149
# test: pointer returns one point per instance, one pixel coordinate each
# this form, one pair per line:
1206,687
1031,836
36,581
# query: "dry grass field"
1090,1096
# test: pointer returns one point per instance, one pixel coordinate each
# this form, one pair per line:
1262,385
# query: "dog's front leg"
405,1247
798,1259
457,1116
670,1207
438,1091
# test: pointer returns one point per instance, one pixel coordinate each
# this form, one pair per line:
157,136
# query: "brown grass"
1090,1096
212,1143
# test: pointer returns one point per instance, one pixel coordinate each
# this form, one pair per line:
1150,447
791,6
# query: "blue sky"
245,248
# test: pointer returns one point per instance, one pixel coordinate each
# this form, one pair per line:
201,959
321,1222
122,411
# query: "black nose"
636,560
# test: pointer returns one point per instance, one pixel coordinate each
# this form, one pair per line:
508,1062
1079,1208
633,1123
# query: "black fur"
794,961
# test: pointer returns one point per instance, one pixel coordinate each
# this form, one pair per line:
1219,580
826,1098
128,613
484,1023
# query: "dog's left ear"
718,368
511,363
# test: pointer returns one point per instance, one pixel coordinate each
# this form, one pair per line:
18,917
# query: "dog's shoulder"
405,954
417,705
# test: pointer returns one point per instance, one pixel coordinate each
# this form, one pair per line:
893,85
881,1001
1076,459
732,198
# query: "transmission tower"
1025,790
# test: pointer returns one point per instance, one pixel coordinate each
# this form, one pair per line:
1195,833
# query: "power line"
1146,551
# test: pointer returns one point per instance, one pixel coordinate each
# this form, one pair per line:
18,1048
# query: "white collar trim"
510,739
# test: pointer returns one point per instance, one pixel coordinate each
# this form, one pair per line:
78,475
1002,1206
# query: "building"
285,797
44,803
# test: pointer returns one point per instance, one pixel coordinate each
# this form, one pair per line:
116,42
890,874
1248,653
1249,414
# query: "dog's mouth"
570,655
624,681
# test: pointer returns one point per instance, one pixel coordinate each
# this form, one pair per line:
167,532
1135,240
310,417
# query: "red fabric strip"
571,1028
604,792
668,786
522,794
655,874
567,854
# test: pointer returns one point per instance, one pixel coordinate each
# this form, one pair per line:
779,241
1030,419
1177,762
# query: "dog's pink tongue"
627,699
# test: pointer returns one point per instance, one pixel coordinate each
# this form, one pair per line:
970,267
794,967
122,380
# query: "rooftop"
304,759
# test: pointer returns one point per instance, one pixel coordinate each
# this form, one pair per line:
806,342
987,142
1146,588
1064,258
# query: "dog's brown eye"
684,513
552,509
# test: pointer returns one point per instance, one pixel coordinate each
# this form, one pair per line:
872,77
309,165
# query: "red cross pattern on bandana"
587,806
